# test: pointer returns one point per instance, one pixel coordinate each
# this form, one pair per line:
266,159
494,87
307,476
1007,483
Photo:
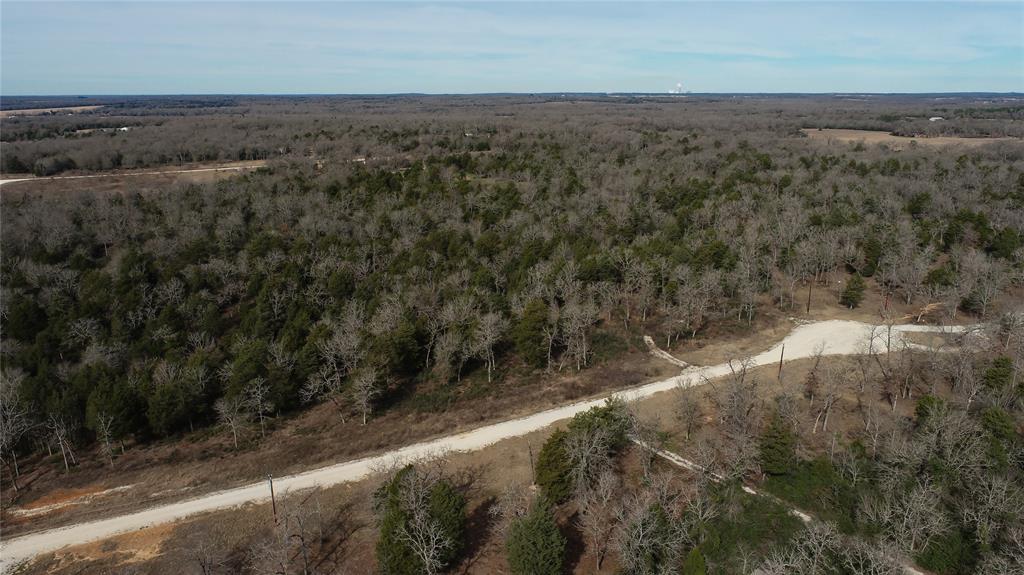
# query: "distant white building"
936,119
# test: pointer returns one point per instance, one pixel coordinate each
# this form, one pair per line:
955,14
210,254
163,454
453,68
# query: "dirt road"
834,337
226,168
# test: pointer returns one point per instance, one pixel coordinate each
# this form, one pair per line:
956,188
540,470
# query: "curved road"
838,338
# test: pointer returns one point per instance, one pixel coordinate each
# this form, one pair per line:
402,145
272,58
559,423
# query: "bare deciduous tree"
577,319
736,400
513,503
649,534
992,503
365,389
588,454
104,432
597,515
835,381
232,413
257,398
908,519
687,410
423,533
487,334
14,420
61,433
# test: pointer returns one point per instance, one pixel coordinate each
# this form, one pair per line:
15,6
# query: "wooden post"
781,356
810,284
273,500
533,472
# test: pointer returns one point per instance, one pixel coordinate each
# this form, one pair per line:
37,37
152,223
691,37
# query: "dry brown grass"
896,142
132,180
204,461
40,111
485,473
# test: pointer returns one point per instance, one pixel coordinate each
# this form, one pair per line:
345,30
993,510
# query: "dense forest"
394,245
178,130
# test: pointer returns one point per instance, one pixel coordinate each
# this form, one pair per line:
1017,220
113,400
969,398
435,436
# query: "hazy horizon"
467,94
163,48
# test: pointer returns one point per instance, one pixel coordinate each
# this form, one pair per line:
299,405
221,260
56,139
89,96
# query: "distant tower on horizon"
678,89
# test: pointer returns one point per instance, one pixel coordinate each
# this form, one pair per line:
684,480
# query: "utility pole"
273,500
781,356
533,472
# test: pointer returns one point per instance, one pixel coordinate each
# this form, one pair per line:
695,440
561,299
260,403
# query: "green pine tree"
553,468
854,292
446,506
535,545
694,563
528,334
778,447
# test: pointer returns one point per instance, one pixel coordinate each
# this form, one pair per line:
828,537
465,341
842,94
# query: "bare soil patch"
130,180
41,111
899,142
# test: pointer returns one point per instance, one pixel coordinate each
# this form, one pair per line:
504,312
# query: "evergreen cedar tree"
694,563
553,468
553,472
144,309
927,408
853,293
535,545
447,508
528,334
999,375
778,447
191,289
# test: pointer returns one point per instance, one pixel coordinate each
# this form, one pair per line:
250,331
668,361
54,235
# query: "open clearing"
879,137
831,337
41,111
114,181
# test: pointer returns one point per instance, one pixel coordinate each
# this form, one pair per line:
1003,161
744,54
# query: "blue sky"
388,47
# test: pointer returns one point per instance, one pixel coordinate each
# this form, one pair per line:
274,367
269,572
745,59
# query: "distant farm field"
880,137
40,111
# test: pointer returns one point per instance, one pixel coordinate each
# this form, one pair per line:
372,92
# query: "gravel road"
838,338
